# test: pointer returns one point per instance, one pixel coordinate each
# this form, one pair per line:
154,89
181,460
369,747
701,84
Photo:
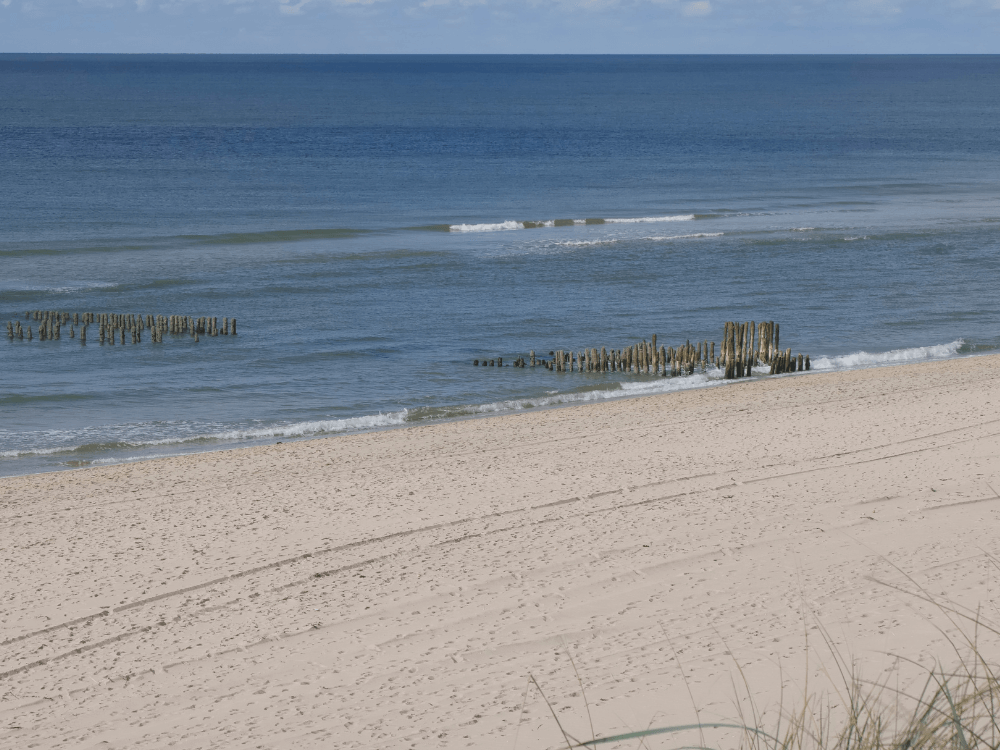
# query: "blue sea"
377,223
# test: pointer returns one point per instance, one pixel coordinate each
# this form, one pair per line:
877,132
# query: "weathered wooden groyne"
744,346
112,328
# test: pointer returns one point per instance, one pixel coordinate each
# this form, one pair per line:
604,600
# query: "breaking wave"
654,238
297,429
504,226
896,356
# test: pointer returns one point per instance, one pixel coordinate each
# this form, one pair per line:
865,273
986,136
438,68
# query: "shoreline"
239,444
396,588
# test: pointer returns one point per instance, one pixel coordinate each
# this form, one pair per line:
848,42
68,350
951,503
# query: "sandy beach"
396,589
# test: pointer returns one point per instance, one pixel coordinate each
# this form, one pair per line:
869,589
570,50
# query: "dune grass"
956,709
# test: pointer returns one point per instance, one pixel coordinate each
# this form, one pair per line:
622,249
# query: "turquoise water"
376,223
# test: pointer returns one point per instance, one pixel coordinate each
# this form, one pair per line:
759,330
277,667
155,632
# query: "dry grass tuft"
956,709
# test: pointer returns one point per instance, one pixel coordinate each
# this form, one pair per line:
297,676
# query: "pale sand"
395,589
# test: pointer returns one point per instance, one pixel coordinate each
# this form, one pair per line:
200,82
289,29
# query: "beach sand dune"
395,589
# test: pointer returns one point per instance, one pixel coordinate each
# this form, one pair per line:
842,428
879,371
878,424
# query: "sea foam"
862,359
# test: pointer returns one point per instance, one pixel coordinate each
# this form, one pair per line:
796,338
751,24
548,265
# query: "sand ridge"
395,589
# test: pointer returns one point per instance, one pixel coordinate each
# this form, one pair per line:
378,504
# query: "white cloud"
870,8
462,3
291,10
697,8
100,3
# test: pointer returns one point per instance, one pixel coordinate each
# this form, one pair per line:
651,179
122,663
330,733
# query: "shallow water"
376,223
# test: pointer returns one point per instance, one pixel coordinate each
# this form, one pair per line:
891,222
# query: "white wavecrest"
896,356
613,390
36,451
685,236
650,219
86,286
297,429
319,427
653,238
500,227
503,226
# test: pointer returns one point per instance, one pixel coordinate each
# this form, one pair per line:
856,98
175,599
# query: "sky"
501,26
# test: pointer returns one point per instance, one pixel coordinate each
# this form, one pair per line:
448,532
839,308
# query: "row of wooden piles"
744,346
113,327
748,345
643,358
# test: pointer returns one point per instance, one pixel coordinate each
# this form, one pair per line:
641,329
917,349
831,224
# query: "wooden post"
801,364
730,351
532,355
232,322
807,361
